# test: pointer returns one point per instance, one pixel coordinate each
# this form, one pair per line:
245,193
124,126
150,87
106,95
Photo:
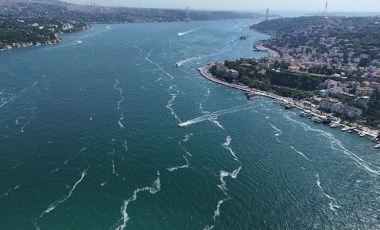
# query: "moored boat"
334,125
317,120
304,114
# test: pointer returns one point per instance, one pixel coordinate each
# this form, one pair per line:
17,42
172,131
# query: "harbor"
306,110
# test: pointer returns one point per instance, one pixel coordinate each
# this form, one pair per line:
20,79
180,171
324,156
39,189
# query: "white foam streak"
58,202
333,205
170,103
156,187
179,167
125,144
212,116
120,121
113,169
299,152
279,131
224,174
160,68
217,211
120,93
187,137
338,146
226,145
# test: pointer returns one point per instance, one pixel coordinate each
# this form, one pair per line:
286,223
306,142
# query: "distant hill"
100,14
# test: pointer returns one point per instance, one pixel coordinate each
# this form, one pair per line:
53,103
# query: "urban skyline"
246,5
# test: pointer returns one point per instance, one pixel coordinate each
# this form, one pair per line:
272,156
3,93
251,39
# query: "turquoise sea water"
89,139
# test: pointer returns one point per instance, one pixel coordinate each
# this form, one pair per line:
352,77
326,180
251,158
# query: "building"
222,71
353,112
364,91
332,105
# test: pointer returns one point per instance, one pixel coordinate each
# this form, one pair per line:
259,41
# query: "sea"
89,139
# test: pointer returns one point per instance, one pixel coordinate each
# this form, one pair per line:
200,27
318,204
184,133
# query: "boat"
362,134
244,37
289,106
334,125
250,95
377,146
346,128
317,120
304,114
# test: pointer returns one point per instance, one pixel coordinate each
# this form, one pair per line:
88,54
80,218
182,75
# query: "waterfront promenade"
205,72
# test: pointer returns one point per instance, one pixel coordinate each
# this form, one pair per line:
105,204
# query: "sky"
247,5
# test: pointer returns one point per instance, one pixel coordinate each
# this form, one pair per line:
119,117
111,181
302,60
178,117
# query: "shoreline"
204,71
55,41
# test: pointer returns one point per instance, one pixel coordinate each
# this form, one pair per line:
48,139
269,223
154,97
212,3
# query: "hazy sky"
247,5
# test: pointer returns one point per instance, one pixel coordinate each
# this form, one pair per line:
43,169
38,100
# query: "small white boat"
334,125
346,129
377,146
317,120
362,134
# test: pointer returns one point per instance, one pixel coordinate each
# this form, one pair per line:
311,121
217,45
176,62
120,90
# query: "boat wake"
179,167
214,115
180,34
333,204
226,145
182,62
156,187
60,201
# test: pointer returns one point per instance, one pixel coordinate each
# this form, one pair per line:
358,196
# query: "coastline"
204,71
55,41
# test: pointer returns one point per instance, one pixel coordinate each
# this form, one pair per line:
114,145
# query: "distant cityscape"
332,63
